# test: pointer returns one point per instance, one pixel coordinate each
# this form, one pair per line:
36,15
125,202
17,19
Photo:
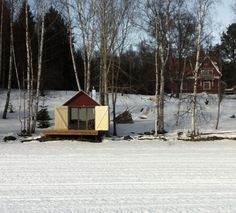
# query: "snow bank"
140,106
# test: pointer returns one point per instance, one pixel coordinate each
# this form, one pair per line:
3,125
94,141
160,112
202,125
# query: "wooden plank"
69,132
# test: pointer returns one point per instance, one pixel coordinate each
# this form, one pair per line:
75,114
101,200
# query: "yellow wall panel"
61,117
101,118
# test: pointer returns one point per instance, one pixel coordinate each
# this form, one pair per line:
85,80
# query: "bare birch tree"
41,6
183,39
1,30
19,87
110,17
70,26
104,35
9,85
29,72
118,47
160,14
220,98
202,8
86,15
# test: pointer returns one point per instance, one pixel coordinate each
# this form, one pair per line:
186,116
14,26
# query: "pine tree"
43,116
57,72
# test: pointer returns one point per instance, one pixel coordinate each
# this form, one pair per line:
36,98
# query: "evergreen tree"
43,117
228,52
19,43
5,43
57,65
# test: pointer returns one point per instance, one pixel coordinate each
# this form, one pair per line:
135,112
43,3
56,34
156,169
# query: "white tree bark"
160,12
4,116
1,29
157,80
220,97
180,93
86,10
19,86
29,98
201,19
71,44
40,60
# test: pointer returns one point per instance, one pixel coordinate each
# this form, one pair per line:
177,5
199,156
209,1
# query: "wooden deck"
55,132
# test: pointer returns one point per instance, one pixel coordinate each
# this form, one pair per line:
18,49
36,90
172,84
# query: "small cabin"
80,115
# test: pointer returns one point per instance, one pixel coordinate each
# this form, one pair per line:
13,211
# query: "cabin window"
206,85
82,118
207,73
74,114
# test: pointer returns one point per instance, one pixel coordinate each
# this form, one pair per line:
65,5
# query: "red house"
209,78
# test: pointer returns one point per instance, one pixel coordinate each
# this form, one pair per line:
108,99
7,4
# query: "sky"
222,17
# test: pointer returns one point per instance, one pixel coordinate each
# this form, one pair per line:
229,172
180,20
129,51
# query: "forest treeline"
111,45
137,59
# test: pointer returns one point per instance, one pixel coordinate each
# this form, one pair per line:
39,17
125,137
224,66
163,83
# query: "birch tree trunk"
19,86
220,97
161,129
196,69
103,48
157,81
87,11
114,96
180,93
164,34
71,45
29,115
164,58
39,71
159,13
1,29
4,116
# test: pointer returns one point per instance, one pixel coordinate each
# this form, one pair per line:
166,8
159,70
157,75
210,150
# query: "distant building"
209,78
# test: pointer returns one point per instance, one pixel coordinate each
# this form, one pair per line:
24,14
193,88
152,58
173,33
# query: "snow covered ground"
135,104
117,175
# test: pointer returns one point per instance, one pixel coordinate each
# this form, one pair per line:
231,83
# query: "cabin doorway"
82,118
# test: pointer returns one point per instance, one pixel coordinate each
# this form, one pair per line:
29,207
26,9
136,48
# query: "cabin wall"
214,86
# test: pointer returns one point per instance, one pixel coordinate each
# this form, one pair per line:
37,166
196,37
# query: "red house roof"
207,63
81,99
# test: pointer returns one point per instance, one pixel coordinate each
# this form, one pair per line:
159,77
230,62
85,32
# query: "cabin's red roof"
81,99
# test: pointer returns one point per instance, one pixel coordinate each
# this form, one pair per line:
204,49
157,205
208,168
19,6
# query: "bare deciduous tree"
70,26
86,15
29,73
202,8
4,116
119,45
110,17
41,7
1,29
160,14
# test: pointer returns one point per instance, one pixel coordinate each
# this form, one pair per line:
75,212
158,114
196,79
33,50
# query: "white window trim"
203,85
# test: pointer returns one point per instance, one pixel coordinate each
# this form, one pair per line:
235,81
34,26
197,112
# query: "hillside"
143,113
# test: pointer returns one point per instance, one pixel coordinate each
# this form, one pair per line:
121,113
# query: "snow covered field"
117,175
